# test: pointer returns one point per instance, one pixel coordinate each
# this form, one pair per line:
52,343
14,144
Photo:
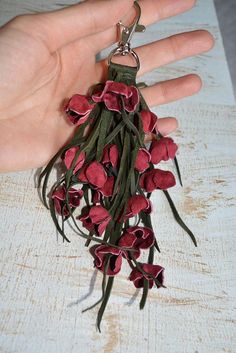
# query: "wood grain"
45,283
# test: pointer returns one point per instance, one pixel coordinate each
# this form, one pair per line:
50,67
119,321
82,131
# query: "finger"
172,90
151,11
173,48
165,126
166,50
58,28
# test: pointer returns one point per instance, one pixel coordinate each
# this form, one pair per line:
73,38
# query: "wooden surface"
45,283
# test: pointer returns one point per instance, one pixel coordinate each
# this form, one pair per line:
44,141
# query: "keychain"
109,167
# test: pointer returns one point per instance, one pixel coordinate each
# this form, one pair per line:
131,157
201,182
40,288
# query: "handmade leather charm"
109,174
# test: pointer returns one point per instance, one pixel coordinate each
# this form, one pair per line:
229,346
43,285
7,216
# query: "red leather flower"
106,190
69,157
156,179
136,204
142,161
110,155
138,277
95,218
149,120
162,150
96,197
112,93
78,109
93,174
137,237
59,199
101,254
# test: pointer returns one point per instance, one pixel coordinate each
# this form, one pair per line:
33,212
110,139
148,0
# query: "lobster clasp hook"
128,31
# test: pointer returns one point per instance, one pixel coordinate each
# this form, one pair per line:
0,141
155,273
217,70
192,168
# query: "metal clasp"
126,32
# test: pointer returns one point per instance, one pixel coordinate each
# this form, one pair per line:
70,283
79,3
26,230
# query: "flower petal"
102,226
149,120
75,197
59,193
96,174
118,88
144,237
82,176
99,253
78,119
96,198
112,93
107,189
156,271
110,155
132,102
58,206
115,265
69,157
79,104
112,102
157,179
142,160
127,240
162,150
138,203
105,249
98,214
136,277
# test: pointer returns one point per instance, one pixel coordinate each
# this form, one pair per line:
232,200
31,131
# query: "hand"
47,57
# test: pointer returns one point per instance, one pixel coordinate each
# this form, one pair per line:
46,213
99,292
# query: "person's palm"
45,58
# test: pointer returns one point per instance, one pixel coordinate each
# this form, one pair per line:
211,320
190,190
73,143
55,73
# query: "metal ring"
120,51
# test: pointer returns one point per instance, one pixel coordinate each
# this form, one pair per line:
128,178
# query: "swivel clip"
127,32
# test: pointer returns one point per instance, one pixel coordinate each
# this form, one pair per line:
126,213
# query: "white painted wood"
45,282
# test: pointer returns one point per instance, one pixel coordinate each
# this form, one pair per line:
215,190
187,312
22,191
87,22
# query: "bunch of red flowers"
115,172
100,176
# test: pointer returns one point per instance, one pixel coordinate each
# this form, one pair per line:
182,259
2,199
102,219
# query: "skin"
47,57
